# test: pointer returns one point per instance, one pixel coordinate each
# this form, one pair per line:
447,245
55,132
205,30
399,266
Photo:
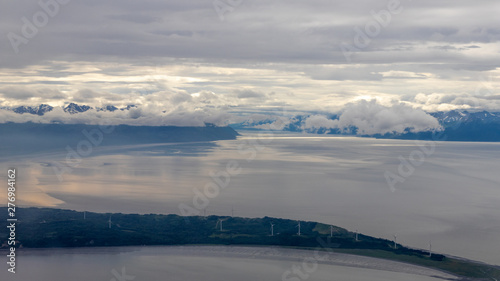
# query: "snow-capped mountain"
35,110
453,117
71,108
74,108
107,108
457,126
128,107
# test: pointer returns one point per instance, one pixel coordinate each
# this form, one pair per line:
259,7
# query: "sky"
223,59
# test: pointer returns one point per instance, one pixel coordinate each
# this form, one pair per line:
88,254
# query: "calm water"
203,263
451,199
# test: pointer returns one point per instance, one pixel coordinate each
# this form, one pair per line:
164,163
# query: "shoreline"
70,231
278,253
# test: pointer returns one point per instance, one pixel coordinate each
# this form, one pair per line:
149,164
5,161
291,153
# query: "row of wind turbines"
219,224
220,221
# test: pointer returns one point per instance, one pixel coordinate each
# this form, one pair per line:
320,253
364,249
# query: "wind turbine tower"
109,222
272,229
219,222
357,235
298,225
430,249
395,244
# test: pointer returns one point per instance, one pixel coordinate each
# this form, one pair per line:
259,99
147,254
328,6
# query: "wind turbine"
395,238
272,229
298,225
219,222
357,235
430,249
109,222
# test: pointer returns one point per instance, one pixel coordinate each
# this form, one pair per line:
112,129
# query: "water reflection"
452,199
204,263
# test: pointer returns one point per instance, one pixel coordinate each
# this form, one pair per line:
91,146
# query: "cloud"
174,54
18,94
135,18
370,117
249,94
464,101
134,116
162,108
85,96
320,122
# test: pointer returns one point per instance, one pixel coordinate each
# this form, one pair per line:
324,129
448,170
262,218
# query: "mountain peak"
73,108
35,110
111,108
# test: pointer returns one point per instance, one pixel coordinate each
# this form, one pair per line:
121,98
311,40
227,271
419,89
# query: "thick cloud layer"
370,117
161,108
136,116
251,57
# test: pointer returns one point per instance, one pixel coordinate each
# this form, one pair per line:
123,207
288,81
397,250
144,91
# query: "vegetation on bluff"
44,227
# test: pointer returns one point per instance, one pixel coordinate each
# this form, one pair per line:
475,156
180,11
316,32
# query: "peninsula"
49,228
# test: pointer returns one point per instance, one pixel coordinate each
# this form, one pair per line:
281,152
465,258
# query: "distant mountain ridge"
457,126
40,110
480,126
71,108
454,116
444,117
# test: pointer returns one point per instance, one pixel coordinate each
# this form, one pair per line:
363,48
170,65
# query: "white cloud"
465,101
320,122
370,117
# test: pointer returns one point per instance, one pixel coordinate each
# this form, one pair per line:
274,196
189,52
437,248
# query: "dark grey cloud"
249,94
493,97
24,93
281,31
135,18
89,47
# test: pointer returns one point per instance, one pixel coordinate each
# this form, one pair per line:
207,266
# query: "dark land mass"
28,138
456,126
474,131
46,227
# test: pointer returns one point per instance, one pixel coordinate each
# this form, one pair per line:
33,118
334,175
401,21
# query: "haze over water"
452,199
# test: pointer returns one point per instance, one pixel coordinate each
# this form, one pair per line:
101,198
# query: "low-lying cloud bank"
134,116
370,117
361,118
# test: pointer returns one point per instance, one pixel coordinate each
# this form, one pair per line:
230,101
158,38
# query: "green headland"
48,228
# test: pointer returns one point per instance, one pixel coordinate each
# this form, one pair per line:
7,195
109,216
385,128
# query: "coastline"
275,253
64,230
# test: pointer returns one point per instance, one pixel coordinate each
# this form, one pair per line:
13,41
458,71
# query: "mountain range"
457,125
444,117
71,108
